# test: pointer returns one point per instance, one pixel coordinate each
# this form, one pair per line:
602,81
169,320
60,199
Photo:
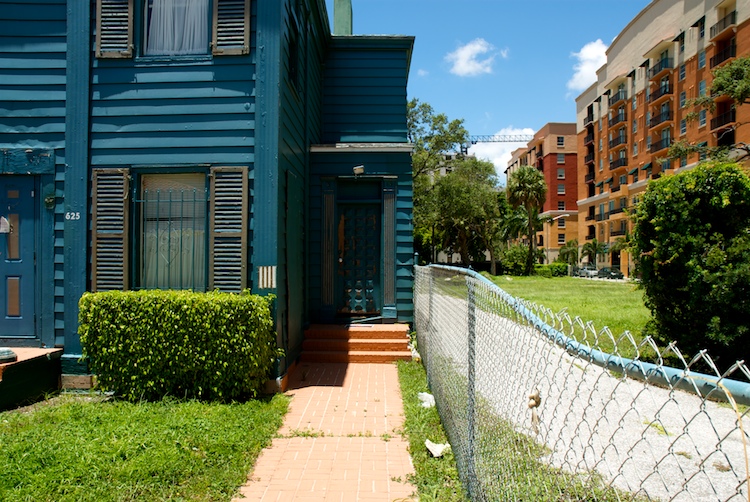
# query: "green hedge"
149,344
554,269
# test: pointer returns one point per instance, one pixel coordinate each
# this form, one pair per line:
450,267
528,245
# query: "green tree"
691,245
569,252
592,249
730,80
527,189
468,208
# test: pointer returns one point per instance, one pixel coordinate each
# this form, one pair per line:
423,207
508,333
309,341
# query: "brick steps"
356,343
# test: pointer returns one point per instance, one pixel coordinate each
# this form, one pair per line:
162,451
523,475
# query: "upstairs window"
560,141
172,27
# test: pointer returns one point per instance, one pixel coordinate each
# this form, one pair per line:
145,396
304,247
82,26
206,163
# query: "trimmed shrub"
554,269
150,344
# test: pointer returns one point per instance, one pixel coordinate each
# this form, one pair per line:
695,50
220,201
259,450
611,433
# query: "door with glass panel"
17,268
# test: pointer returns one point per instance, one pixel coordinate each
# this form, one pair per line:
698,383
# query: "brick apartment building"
634,112
553,150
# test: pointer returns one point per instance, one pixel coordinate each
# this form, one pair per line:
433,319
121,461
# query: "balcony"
589,158
618,140
724,54
590,237
590,217
614,189
587,120
660,145
622,161
617,210
620,117
616,233
588,139
662,65
662,117
727,21
620,95
723,119
588,178
660,92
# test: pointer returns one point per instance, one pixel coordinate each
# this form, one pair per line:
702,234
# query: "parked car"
588,270
610,273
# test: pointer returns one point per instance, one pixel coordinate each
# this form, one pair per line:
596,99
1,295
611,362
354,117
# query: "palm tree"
592,249
569,252
527,189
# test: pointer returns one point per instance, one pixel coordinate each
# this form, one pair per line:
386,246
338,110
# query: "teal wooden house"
201,144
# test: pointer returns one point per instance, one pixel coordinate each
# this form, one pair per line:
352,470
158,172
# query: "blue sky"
504,66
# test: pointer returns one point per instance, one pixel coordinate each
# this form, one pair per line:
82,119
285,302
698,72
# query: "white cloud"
499,153
422,73
590,58
466,61
504,53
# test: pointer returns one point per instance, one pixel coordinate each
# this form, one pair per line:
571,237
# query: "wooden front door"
358,260
17,257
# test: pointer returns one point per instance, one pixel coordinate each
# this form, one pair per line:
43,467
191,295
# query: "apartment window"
635,176
648,118
560,141
601,164
682,42
172,28
702,88
648,143
561,223
702,59
683,161
683,98
176,228
623,179
561,189
561,205
600,144
634,101
702,28
561,173
561,238
702,118
683,126
635,149
703,154
682,71
635,125
561,158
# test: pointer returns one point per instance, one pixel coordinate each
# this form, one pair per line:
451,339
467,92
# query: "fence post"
471,404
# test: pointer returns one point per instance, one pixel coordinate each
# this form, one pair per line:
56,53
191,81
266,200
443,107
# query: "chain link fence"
539,406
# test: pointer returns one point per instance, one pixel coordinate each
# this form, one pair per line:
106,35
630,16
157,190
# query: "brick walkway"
340,440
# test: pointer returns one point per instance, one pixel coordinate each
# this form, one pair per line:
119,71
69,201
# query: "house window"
561,158
561,238
561,223
171,212
561,205
702,118
561,173
682,71
560,141
702,59
168,233
172,27
561,189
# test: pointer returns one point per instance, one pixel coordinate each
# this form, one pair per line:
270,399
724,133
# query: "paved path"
340,440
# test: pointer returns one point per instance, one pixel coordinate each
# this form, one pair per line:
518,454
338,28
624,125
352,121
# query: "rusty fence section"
539,406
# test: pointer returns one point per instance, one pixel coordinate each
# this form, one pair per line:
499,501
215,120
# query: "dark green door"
358,256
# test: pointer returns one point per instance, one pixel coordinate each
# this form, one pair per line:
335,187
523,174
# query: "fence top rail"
704,385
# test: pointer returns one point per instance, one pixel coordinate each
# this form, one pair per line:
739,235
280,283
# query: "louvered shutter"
109,229
228,222
114,28
231,27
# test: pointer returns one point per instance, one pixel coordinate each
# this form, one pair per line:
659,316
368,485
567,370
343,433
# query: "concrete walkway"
340,440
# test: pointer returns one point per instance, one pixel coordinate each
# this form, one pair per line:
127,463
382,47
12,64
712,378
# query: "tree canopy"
691,244
527,189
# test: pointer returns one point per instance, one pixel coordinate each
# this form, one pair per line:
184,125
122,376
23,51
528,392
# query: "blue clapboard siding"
303,46
32,73
364,97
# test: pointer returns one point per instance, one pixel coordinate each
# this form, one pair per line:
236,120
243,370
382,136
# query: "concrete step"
357,356
330,331
355,344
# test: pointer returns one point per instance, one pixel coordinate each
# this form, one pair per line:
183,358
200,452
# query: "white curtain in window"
177,27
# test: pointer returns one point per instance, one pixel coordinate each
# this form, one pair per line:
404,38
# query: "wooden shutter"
109,231
114,28
231,27
229,227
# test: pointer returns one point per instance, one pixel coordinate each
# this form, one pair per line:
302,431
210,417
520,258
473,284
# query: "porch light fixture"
357,170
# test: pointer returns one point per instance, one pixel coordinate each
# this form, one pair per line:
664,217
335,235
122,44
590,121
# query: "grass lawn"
80,447
615,304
